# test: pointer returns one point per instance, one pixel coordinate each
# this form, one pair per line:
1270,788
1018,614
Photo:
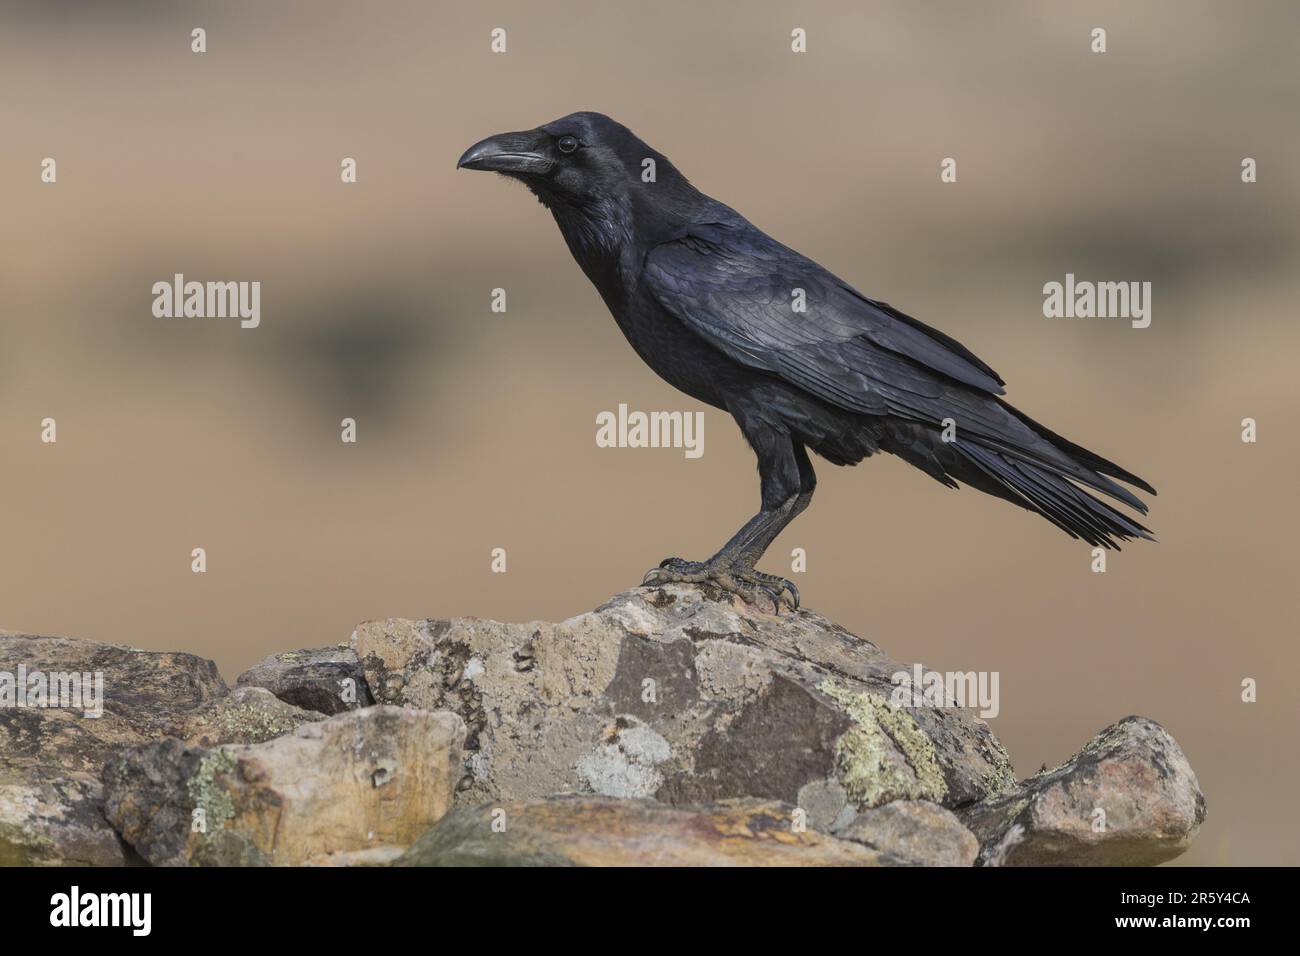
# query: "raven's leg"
807,485
787,483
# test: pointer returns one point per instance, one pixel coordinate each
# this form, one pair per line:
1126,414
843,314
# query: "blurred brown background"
476,430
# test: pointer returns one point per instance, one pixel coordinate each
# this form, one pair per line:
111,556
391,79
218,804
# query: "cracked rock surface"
671,724
686,697
1128,798
601,831
51,757
359,782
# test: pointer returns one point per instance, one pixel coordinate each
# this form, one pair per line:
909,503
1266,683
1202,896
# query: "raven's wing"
736,287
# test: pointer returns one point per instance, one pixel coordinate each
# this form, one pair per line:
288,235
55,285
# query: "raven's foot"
742,581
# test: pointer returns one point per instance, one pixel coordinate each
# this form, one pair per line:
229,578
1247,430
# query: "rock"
376,856
687,696
916,831
672,724
1128,798
359,783
324,679
146,694
601,831
51,757
54,819
247,715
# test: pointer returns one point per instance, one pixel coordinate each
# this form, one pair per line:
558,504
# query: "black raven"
797,356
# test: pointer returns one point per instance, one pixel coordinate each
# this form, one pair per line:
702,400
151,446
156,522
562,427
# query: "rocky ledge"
673,725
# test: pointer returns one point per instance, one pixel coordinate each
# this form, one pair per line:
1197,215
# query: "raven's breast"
676,354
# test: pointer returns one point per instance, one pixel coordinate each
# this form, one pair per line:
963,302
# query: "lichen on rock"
732,691
207,793
866,753
670,724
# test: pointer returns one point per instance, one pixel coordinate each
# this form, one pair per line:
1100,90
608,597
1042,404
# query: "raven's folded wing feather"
735,286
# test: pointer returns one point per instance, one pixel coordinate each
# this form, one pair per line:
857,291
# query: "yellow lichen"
864,753
207,793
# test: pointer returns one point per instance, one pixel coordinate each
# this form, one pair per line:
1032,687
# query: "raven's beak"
508,153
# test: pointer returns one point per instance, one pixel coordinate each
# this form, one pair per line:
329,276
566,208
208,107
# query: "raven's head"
590,171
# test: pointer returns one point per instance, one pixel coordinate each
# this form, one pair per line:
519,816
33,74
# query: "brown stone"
600,831
353,784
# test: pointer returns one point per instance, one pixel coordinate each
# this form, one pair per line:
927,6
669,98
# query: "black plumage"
712,304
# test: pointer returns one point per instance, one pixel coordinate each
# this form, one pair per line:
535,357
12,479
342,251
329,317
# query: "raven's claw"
785,588
741,581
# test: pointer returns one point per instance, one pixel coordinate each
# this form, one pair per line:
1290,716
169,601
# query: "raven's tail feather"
1081,454
1054,496
1044,478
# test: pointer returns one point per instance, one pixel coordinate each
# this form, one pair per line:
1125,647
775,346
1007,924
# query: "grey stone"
50,757
1128,798
685,695
324,679
247,715
914,830
682,724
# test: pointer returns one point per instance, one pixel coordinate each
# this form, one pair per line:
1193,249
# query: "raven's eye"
567,144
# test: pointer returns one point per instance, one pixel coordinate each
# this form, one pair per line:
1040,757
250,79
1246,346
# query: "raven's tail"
1054,496
1034,468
